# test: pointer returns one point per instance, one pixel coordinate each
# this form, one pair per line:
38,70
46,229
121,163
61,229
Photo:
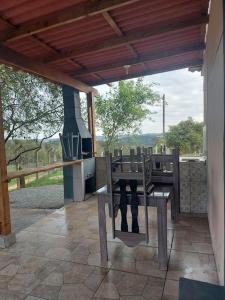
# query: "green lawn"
55,177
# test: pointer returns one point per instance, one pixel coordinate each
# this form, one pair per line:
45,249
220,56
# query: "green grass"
55,177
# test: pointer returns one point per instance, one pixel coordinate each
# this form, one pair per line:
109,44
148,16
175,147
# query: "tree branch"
31,149
30,121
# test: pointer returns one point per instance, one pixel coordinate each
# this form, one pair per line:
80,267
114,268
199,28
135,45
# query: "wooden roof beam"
20,61
112,23
141,34
64,16
173,67
109,19
145,58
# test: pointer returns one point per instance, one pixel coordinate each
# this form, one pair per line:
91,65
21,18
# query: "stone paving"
57,258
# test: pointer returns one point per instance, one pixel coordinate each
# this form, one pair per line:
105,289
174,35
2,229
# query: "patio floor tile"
58,258
196,266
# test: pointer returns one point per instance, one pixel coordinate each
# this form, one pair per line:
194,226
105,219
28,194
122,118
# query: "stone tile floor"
58,258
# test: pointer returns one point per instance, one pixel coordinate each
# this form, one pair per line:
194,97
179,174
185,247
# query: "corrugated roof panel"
92,30
149,12
169,40
122,71
74,65
21,11
30,46
87,78
197,55
153,67
107,56
111,73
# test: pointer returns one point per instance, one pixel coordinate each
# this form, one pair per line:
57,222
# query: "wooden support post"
17,180
36,162
91,120
22,181
6,238
116,152
161,149
18,161
49,158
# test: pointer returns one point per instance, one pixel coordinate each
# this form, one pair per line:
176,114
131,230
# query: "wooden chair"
168,173
129,167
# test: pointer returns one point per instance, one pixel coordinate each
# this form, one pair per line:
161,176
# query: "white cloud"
184,95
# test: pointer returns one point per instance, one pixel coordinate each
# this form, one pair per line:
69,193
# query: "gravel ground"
31,204
46,197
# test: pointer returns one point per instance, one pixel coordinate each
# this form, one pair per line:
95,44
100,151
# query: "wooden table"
157,198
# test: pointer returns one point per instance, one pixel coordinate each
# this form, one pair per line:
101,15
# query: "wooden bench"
157,198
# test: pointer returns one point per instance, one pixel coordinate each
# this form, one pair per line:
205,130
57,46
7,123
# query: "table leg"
102,230
173,209
176,200
162,234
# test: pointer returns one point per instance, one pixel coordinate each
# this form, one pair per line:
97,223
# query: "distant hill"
141,139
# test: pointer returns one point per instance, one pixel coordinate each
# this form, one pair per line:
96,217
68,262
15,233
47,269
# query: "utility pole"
164,104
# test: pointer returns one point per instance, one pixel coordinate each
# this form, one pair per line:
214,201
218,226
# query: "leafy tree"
122,110
33,108
187,135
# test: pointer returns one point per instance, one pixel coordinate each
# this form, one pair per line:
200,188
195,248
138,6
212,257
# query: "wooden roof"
86,43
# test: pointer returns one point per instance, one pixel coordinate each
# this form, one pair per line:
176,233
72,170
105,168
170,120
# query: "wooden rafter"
187,64
112,23
20,61
65,16
109,19
96,75
145,58
91,120
115,27
136,36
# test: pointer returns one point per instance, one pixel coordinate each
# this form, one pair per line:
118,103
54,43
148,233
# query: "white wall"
214,118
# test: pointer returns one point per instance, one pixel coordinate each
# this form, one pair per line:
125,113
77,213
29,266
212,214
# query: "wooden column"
5,221
91,120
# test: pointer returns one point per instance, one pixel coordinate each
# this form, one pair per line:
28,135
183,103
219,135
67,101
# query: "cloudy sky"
184,96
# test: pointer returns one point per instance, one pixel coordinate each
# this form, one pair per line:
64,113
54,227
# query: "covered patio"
80,44
52,260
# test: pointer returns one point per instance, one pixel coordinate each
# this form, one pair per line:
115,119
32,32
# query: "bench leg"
162,234
102,230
